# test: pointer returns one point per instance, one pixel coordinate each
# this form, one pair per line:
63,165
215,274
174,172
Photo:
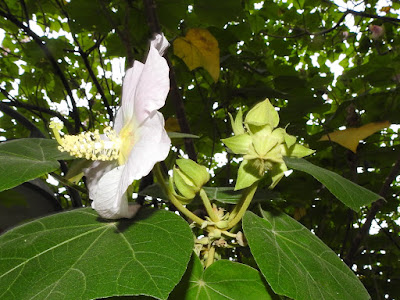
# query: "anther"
89,145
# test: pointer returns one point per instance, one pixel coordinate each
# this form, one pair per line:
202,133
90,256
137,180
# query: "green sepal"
180,198
248,174
297,150
184,185
290,140
198,174
237,123
276,173
263,113
264,143
239,144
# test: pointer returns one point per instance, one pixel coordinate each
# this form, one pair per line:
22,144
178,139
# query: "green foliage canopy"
62,54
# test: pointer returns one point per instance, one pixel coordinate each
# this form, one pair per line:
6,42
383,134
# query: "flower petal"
108,193
152,146
95,171
153,86
160,43
131,79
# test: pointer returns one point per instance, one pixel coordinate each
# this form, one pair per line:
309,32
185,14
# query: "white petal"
153,86
95,171
119,121
108,192
126,112
152,146
160,43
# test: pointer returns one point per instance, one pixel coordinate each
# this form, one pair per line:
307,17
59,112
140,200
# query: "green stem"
241,207
171,197
210,258
207,204
230,234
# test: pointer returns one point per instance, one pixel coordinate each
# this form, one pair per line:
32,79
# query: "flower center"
90,145
128,139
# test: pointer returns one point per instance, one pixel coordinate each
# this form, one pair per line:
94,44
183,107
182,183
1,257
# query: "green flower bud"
262,145
215,234
188,179
196,173
182,199
184,185
203,241
222,224
263,113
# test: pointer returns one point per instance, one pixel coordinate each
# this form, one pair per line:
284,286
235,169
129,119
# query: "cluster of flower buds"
262,145
188,179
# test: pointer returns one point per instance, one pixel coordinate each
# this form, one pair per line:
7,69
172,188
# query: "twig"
306,32
84,55
22,120
125,34
42,45
364,230
154,25
340,21
14,102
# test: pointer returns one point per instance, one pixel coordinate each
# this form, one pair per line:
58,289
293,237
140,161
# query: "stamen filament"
89,145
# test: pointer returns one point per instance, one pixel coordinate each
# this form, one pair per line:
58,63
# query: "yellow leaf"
172,125
299,212
199,48
351,137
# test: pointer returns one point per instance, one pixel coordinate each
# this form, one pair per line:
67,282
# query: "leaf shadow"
124,224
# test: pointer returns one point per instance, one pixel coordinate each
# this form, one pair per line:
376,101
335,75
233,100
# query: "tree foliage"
59,60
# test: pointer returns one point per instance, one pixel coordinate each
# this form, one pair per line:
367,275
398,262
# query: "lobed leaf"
351,194
76,255
26,159
296,263
224,279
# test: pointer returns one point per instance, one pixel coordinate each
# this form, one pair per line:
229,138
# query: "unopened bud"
188,179
222,224
262,114
196,173
215,234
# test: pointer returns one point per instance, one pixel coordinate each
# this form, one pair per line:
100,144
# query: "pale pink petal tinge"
145,90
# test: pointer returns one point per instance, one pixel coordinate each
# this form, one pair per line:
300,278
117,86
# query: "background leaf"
181,135
229,196
26,159
351,137
351,194
224,279
199,48
296,263
78,256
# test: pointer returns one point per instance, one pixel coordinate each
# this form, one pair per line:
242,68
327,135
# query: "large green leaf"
26,159
296,263
217,13
351,194
230,196
76,255
224,279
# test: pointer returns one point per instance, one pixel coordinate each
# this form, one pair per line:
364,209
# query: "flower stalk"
210,258
207,204
240,208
